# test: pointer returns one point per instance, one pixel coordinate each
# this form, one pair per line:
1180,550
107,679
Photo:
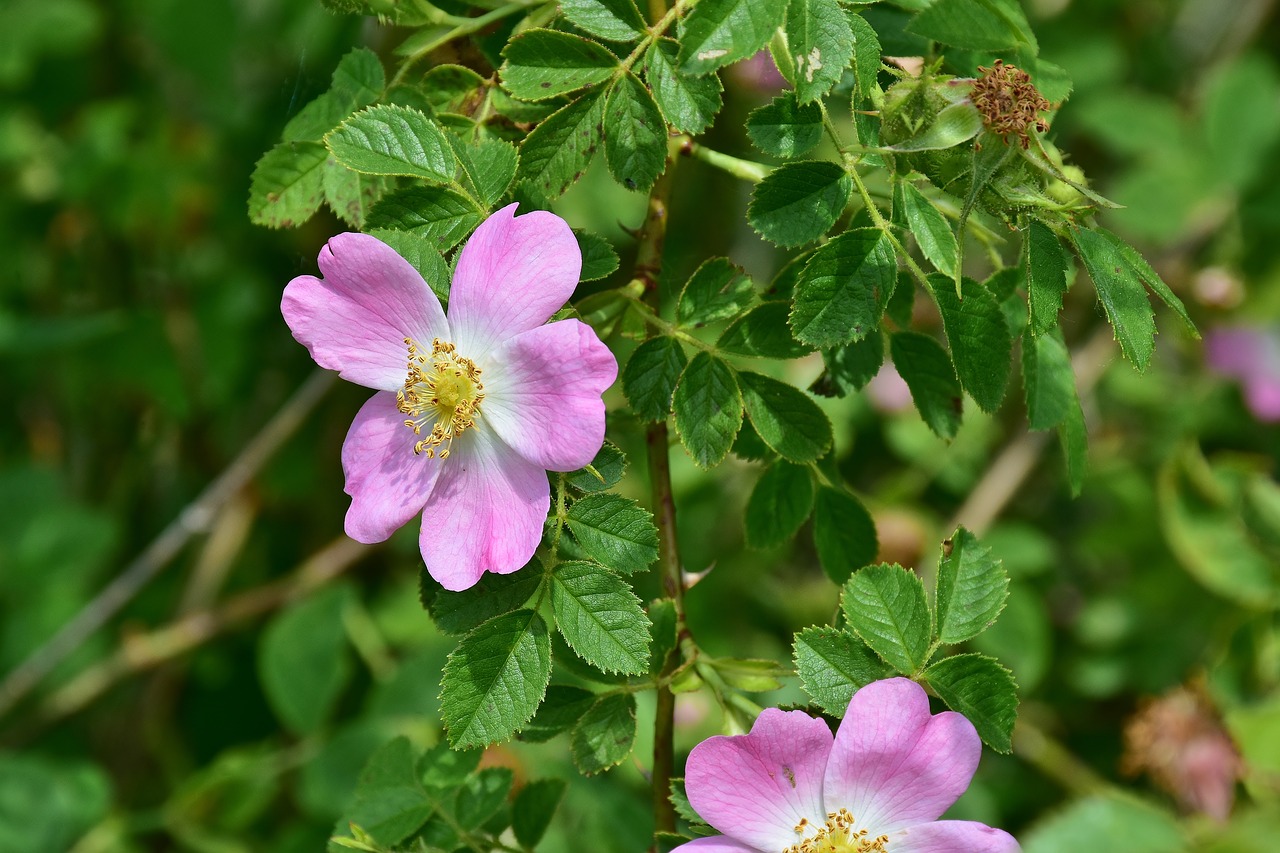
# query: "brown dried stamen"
1009,103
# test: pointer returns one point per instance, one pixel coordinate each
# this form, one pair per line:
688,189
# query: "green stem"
462,27
747,170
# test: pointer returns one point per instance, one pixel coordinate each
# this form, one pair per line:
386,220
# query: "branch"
196,518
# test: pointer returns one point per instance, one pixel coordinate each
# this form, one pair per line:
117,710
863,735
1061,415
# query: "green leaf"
799,202
981,689
1119,823
437,214
1045,265
753,675
611,20
650,377
542,64
635,134
1048,381
481,796
979,338
447,87
1073,435
287,184
779,504
391,140
784,128
925,367
390,803
1151,279
785,417
493,595
350,195
442,767
708,409
489,166
604,472
51,805
902,304
421,252
719,32
843,533
559,713
1121,292
974,24
662,613
763,332
600,617
536,804
717,290
821,42
494,680
559,149
866,55
303,662
357,81
850,367
886,606
932,233
616,531
842,292
955,124
689,103
833,664
972,588
606,734
599,258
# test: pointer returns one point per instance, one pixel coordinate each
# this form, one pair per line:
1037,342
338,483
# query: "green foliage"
979,338
981,689
542,64
762,332
931,230
391,140
799,202
843,532
493,595
1121,293
560,148
842,292
1045,267
717,290
927,370
635,141
287,184
719,32
600,617
708,408
779,504
785,418
303,661
1048,381
886,606
785,128
833,664
972,589
615,531
975,24
651,375
534,807
613,20
606,733
495,679
489,166
689,103
821,40
438,214
604,472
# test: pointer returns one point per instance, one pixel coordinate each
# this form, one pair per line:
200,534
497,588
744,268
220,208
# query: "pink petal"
1262,394
485,513
894,765
714,844
388,484
542,394
512,275
755,788
356,318
952,836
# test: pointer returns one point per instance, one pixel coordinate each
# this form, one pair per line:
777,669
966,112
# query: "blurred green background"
232,702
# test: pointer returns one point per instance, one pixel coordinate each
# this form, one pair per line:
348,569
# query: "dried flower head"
1179,741
1009,102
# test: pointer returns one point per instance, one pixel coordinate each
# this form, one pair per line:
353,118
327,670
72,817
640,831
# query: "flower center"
840,834
443,390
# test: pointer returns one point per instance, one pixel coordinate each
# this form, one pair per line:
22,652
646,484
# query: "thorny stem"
196,518
657,442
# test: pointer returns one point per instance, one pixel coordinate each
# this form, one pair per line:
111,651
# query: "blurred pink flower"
878,787
759,73
1250,354
470,410
888,391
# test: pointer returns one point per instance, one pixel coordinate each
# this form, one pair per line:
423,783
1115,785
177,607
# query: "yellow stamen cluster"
1009,102
840,834
443,389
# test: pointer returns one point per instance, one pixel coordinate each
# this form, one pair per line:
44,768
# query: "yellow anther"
442,390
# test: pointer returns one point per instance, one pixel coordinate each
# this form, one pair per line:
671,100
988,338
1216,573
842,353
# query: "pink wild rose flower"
471,409
878,786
